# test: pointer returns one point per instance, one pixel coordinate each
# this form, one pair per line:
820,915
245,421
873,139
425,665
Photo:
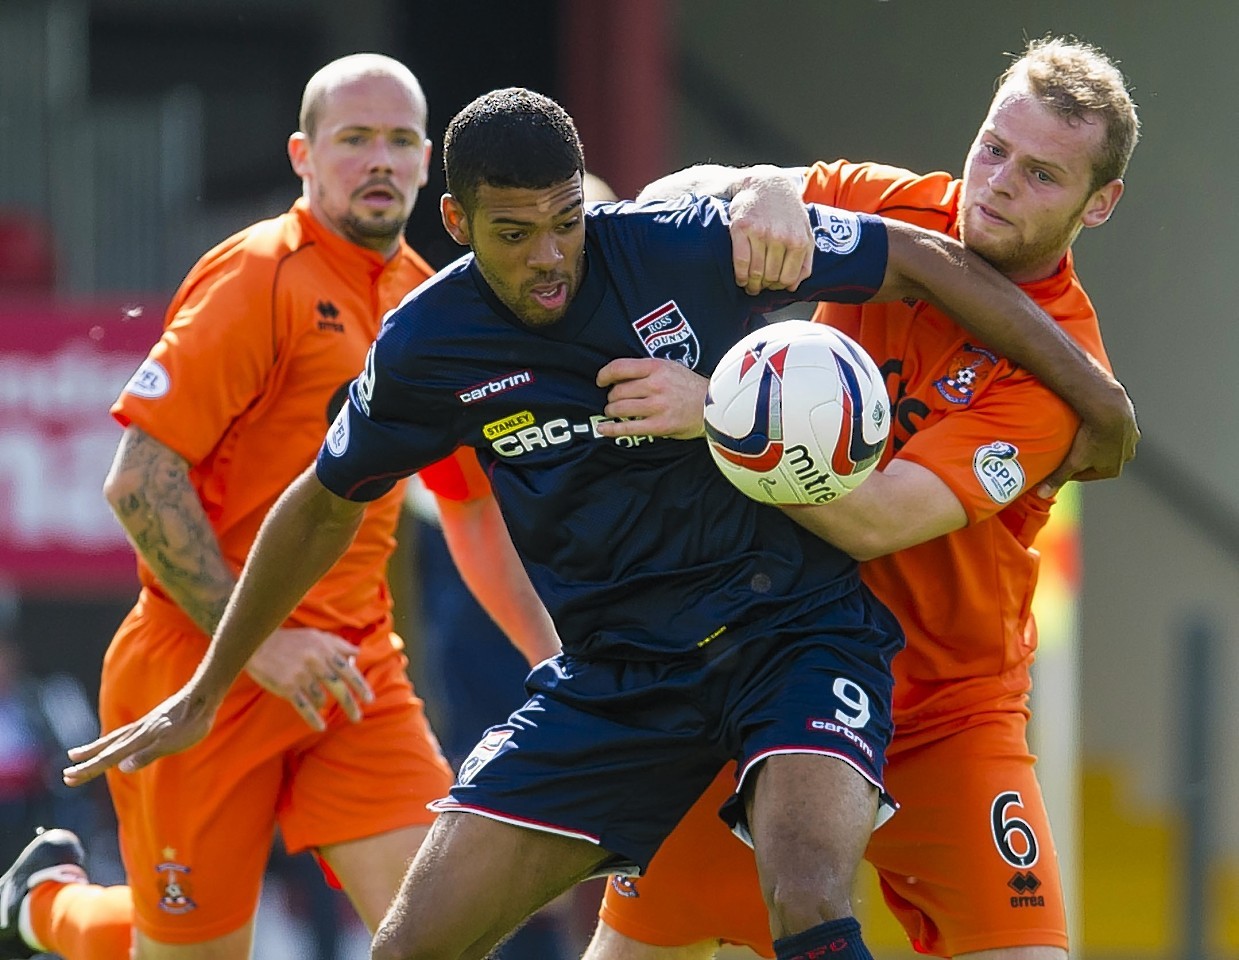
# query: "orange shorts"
967,864
196,828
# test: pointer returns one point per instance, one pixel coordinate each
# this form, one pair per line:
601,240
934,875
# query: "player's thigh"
371,869
700,888
1015,953
814,723
196,827
822,689
231,946
475,880
610,944
810,817
968,863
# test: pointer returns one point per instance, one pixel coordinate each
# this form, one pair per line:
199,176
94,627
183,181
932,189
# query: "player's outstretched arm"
481,546
936,268
771,238
149,490
896,507
305,533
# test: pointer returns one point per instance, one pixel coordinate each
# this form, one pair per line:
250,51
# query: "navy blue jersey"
639,547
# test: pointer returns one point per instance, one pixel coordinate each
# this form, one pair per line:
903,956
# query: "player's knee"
802,900
397,940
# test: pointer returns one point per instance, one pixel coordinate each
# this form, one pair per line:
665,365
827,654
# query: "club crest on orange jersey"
173,878
624,886
968,369
666,335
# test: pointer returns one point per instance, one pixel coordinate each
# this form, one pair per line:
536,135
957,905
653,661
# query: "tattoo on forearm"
168,526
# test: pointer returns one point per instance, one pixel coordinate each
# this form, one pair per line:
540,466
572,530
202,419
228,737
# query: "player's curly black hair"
510,138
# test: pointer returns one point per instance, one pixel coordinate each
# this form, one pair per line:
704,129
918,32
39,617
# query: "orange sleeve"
1006,442
218,346
926,200
458,477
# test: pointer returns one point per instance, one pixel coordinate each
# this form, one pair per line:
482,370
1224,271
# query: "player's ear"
422,180
299,153
1102,203
454,219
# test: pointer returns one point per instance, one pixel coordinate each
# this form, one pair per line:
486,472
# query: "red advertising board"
61,366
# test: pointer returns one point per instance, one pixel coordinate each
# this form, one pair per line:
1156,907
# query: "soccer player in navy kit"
698,626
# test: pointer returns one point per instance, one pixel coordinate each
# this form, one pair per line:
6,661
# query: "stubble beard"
372,234
1015,257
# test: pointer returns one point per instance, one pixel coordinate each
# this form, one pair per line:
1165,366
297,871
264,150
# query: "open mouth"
550,296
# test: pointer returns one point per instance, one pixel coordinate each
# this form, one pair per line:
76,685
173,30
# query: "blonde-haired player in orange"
323,735
945,527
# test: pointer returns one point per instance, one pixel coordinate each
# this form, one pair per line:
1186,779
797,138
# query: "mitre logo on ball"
796,412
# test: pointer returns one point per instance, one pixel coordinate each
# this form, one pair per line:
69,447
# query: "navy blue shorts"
615,752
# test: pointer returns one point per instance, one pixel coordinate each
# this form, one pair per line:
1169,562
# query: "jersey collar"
1056,284
318,233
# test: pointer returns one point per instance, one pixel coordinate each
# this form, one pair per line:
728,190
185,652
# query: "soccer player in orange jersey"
322,735
945,527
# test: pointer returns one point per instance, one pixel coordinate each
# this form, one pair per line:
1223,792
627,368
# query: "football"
796,412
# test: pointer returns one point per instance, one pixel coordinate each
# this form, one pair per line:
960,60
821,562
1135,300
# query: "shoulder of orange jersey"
928,200
254,252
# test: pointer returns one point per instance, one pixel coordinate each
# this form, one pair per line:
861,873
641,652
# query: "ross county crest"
666,335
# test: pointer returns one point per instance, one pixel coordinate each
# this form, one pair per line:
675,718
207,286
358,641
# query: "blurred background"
135,134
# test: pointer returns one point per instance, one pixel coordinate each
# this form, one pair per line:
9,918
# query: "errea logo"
328,314
492,388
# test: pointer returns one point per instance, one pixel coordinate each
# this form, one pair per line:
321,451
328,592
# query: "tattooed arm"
148,488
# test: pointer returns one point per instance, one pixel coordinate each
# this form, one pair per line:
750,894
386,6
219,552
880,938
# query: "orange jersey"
990,431
259,346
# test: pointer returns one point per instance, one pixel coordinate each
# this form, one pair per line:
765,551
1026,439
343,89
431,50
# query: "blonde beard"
1018,257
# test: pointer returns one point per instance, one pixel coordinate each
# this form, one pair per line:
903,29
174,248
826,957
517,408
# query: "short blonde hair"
1079,82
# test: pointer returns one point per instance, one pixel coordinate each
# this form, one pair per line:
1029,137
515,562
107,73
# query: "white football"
796,413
